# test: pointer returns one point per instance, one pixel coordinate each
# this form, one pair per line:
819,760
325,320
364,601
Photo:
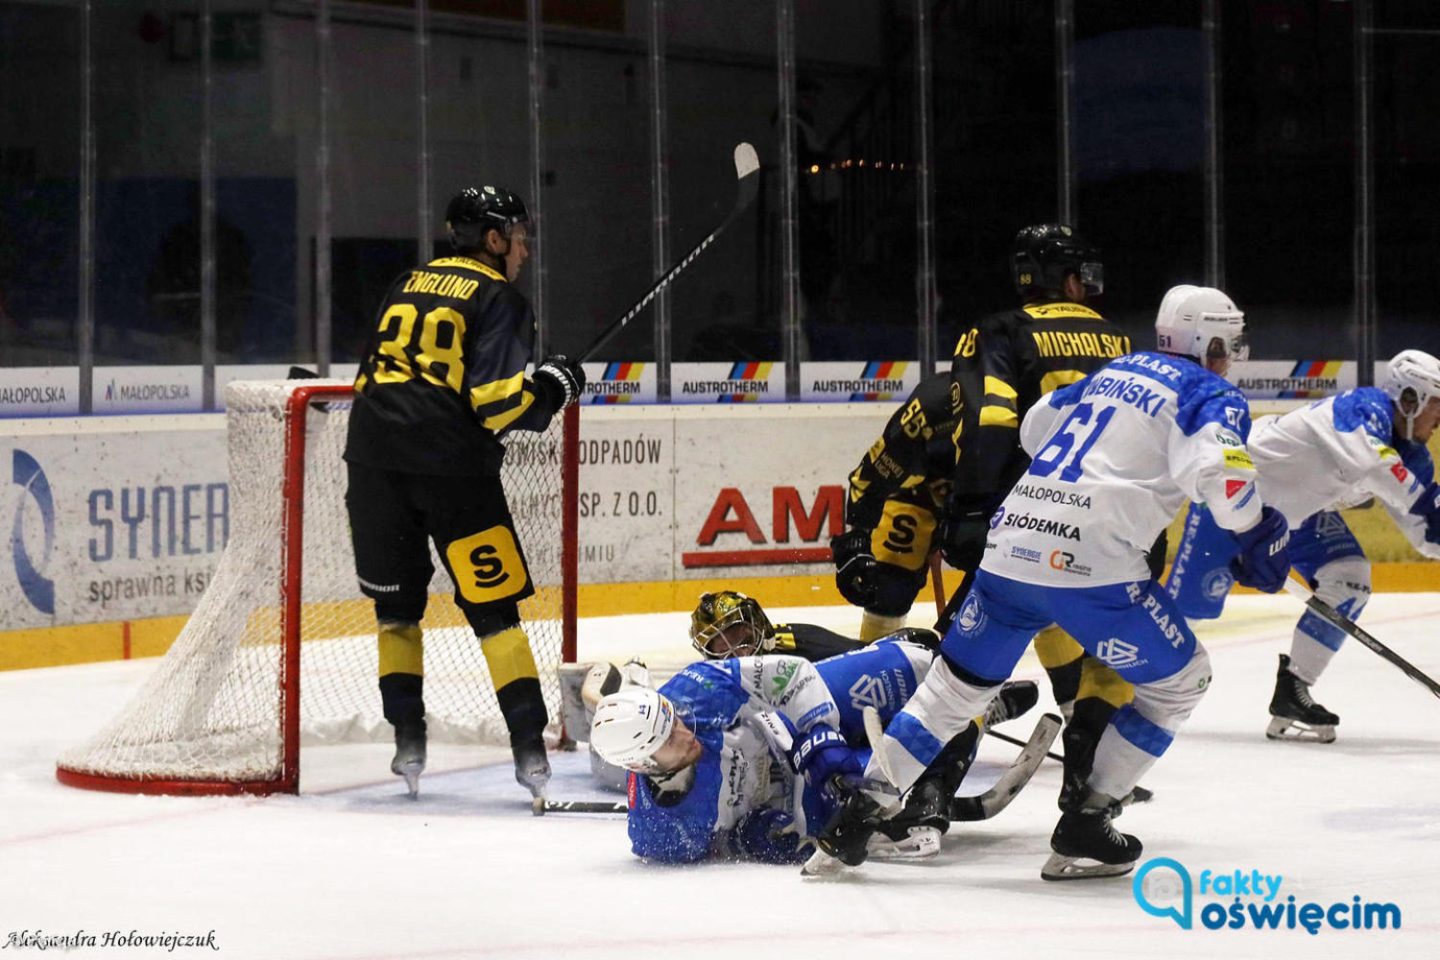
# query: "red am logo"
789,521
1233,487
1400,472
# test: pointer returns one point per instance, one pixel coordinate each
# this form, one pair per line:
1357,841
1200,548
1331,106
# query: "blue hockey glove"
1264,558
822,754
854,567
769,836
1427,508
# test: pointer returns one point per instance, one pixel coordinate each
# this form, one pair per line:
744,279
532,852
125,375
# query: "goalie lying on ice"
747,757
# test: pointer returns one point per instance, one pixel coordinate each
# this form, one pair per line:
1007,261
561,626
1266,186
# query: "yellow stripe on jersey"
502,420
1050,311
496,391
465,263
995,387
999,417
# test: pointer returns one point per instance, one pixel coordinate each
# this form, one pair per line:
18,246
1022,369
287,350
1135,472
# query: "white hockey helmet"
630,726
1412,378
1200,322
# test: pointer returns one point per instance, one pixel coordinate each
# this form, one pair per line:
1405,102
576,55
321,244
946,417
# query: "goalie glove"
562,378
1264,558
855,567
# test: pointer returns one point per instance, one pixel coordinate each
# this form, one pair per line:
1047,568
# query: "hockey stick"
1328,613
747,168
581,806
1013,780
992,732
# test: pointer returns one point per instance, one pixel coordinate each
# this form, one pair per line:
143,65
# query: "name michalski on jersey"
1023,521
1068,498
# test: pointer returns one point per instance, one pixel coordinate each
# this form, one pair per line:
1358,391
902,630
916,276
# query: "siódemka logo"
38,589
1240,899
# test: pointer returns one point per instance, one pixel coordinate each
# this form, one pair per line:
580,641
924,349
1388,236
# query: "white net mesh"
212,709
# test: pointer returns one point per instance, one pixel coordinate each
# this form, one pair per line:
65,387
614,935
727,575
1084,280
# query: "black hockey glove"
562,378
961,537
1264,560
855,567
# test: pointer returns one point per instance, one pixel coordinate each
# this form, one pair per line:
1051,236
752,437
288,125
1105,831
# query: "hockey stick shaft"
992,732
586,806
747,174
1329,614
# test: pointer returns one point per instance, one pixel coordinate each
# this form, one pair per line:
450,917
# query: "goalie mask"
729,624
1201,323
1412,381
631,726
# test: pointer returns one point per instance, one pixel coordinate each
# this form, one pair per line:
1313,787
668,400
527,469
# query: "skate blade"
1061,867
411,772
923,843
822,866
1284,728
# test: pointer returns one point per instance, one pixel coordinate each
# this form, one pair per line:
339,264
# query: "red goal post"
280,650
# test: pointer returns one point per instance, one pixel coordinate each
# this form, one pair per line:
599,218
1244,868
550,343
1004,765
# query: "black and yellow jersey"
1007,363
812,642
443,375
914,458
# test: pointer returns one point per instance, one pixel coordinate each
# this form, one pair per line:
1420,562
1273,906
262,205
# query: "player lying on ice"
738,757
1116,455
1338,452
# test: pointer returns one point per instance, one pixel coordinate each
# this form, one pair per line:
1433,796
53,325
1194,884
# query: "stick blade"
746,160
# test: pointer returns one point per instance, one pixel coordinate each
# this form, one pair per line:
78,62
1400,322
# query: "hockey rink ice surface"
353,870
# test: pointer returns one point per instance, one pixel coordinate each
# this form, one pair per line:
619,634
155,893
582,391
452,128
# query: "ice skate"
409,761
1087,846
532,770
1293,714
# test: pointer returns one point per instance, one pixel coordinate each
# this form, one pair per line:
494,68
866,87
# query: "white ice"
353,870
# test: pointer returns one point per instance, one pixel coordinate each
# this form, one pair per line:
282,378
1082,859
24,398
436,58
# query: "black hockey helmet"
474,210
1045,253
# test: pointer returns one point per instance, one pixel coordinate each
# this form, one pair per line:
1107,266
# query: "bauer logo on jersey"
487,565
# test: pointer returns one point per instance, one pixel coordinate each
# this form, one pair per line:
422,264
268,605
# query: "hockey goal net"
281,648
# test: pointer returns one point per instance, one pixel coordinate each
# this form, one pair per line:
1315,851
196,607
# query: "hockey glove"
961,537
1264,560
562,378
822,754
854,567
769,836
1427,508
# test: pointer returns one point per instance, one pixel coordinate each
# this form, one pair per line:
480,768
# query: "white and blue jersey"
1114,457
747,712
1335,453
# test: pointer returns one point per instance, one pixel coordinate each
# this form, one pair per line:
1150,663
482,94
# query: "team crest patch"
1216,584
972,616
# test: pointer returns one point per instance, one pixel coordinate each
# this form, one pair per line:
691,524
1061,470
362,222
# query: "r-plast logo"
38,589
1247,898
